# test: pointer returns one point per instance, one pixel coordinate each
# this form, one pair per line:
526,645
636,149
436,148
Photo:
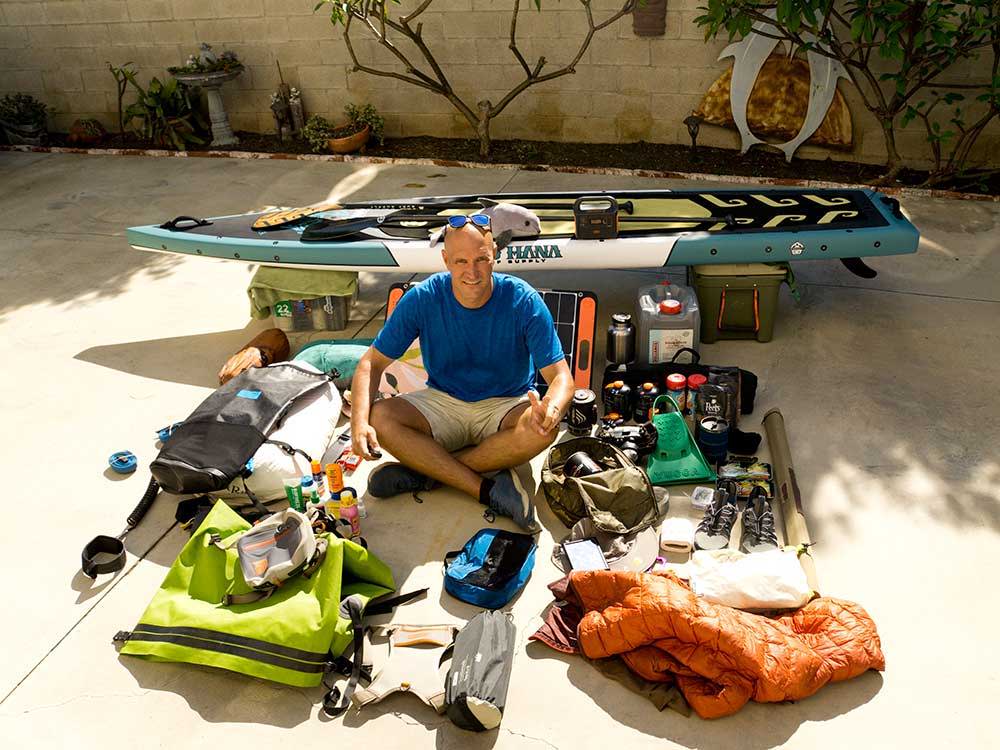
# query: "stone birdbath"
211,82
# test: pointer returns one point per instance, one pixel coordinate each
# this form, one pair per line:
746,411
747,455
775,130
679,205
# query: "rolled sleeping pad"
787,488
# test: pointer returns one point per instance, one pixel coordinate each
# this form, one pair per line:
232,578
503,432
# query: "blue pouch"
491,568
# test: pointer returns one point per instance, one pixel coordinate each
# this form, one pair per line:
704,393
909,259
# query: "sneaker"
715,528
509,498
758,525
395,479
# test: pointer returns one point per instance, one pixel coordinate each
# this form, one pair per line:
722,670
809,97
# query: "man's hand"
364,442
544,414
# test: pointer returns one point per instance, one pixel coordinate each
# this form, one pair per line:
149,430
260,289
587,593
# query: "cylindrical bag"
476,685
619,500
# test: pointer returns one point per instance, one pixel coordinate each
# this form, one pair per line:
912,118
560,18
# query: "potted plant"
317,132
363,123
23,119
86,132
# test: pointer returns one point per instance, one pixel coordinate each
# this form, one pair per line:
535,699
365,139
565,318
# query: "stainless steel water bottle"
620,349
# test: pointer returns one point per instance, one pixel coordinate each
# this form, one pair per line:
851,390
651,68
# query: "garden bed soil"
658,157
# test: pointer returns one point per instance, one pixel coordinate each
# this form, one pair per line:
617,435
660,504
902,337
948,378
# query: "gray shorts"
456,423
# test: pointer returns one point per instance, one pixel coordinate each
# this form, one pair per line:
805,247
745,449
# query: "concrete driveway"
889,389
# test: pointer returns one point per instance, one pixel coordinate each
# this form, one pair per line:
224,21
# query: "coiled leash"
111,548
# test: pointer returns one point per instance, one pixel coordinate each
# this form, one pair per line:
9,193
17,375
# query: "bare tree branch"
532,78
513,40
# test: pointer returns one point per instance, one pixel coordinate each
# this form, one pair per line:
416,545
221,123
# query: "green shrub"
318,130
22,109
164,114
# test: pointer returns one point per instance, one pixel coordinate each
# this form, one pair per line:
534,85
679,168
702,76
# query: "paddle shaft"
626,206
336,228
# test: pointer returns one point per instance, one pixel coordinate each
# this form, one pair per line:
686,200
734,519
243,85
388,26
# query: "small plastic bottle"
694,384
293,491
335,484
677,390
349,511
319,481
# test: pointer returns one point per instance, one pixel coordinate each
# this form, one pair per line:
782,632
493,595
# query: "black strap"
172,224
695,356
257,504
234,646
257,595
386,603
103,545
335,704
290,450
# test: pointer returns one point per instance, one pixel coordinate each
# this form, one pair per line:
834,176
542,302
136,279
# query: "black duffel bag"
212,446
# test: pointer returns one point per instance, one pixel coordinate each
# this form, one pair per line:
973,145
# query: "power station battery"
596,217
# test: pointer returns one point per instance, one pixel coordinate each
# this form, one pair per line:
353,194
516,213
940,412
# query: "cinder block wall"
626,88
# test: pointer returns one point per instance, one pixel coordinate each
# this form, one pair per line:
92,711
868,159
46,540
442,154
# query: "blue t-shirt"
490,351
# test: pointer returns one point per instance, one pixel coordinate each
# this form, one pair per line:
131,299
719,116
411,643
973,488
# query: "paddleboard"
664,228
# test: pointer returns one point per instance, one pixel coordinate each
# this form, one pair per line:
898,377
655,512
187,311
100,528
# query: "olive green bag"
619,499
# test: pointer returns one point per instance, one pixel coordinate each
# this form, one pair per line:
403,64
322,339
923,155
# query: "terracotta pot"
351,143
80,135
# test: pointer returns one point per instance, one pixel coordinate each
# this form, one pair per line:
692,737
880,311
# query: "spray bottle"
319,481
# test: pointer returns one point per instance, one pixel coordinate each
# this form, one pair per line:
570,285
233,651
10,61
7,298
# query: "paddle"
332,229
279,219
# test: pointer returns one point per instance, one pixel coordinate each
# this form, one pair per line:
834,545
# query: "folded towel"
270,285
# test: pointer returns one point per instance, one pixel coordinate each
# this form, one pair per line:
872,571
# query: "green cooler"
738,300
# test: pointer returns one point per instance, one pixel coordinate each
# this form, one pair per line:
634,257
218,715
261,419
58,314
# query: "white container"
659,332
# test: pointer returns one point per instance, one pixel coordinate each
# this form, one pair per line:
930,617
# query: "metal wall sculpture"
752,55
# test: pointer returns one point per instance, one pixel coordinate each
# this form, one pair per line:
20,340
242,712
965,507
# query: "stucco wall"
626,88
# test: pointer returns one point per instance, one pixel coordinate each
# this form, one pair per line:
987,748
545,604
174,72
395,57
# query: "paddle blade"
323,231
288,216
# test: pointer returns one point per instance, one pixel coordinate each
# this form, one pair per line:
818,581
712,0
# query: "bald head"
468,237
468,255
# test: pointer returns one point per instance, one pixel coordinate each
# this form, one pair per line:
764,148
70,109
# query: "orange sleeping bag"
721,657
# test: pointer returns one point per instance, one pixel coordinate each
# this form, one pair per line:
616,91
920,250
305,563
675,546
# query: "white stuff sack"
762,580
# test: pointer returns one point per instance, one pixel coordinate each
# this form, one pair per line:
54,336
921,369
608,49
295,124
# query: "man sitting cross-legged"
482,335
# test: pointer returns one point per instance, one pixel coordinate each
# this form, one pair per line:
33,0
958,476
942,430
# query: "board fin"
859,268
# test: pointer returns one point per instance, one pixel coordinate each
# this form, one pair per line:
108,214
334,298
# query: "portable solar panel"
574,314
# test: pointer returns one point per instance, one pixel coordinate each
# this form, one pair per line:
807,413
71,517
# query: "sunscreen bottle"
349,511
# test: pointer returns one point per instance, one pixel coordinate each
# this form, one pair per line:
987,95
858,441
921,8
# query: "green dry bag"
290,637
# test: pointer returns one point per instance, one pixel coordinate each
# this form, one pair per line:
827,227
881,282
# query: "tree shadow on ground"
191,360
